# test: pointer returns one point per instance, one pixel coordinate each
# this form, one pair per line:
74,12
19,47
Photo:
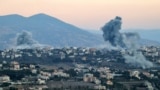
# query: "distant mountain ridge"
45,29
49,30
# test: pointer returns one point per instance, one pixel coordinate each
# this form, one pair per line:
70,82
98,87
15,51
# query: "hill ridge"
47,30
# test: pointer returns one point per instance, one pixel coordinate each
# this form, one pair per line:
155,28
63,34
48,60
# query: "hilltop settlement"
73,68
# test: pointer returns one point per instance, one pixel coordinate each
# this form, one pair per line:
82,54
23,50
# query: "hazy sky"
90,14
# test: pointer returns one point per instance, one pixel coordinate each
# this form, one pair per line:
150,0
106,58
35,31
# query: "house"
109,82
60,74
107,75
135,74
97,81
110,76
40,81
84,58
32,66
14,65
88,77
99,87
4,62
104,69
149,85
147,74
17,55
4,78
44,75
34,71
39,87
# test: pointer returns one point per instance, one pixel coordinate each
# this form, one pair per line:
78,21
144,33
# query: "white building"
4,78
40,81
15,65
44,75
34,71
88,77
97,81
109,82
32,66
100,87
60,74
135,74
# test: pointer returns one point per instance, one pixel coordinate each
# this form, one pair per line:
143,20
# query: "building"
40,81
60,74
99,87
109,82
14,65
135,74
88,77
4,78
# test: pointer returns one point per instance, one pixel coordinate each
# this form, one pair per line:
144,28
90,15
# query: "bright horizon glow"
90,14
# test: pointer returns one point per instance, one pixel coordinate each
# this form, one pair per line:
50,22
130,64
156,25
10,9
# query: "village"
81,69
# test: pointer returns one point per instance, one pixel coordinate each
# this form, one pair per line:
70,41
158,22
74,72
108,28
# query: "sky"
90,14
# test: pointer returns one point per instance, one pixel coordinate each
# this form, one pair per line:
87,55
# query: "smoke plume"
111,32
129,41
25,40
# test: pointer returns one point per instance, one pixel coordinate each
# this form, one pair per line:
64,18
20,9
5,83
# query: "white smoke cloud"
135,57
129,41
24,40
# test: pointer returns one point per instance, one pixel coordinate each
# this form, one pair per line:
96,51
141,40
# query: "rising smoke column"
111,32
135,57
25,38
127,41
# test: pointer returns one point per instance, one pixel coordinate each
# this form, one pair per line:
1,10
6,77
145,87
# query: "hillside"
46,30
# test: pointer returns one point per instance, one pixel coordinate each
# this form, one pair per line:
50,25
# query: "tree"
71,72
5,84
